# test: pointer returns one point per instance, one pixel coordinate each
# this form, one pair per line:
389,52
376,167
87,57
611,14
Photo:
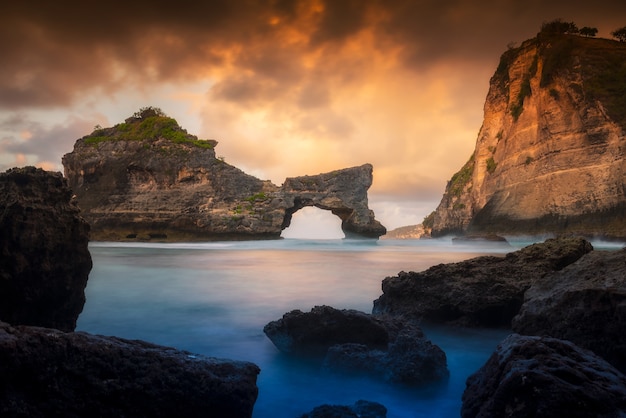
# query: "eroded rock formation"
361,409
391,349
44,258
544,378
45,372
550,155
148,179
407,232
44,266
584,303
484,291
312,333
343,192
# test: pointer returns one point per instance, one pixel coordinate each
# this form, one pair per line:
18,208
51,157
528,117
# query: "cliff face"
549,157
44,258
406,232
148,179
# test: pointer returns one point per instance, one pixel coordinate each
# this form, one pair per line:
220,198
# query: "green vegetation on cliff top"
602,66
461,178
147,124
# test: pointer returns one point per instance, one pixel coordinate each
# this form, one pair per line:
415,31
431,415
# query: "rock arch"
153,189
343,192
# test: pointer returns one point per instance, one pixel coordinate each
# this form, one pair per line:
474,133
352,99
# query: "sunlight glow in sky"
288,88
314,223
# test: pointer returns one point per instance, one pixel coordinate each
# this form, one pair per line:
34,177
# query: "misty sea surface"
215,298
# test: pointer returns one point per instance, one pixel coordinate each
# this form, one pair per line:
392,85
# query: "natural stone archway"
132,186
313,223
343,192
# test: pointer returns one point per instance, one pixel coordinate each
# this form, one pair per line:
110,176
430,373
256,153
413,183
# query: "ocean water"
214,299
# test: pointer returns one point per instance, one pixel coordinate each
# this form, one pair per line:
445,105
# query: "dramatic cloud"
288,87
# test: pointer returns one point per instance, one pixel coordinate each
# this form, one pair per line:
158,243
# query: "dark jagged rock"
483,291
544,378
584,303
361,409
486,238
148,179
45,372
44,258
312,333
410,359
350,341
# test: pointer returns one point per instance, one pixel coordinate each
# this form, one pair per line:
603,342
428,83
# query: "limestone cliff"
147,178
550,155
406,232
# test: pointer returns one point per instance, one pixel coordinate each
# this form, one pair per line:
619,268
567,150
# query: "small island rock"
312,333
350,341
148,179
361,409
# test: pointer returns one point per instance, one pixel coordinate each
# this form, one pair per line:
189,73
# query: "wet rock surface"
410,359
44,255
361,409
531,376
45,372
584,303
349,341
312,333
484,291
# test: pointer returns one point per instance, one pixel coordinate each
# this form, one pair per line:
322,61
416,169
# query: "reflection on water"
214,299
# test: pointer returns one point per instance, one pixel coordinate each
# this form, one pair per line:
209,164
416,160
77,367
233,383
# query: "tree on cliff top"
589,32
559,27
620,34
147,112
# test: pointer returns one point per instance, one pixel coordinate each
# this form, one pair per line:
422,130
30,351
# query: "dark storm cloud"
52,52
45,142
340,20
464,30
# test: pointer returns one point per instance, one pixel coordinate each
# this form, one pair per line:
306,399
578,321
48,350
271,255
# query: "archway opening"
314,223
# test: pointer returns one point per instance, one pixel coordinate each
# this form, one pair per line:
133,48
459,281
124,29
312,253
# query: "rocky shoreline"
568,300
564,302
46,369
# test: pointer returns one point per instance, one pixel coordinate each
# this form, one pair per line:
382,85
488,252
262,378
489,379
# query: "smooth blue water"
214,299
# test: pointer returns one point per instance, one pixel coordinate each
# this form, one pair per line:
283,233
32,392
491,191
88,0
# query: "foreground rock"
44,258
410,359
46,372
350,341
361,409
584,303
148,179
312,333
544,378
484,291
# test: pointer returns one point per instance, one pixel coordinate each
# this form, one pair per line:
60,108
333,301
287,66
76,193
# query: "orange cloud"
287,87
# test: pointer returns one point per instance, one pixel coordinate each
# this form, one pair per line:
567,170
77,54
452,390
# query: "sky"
287,87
